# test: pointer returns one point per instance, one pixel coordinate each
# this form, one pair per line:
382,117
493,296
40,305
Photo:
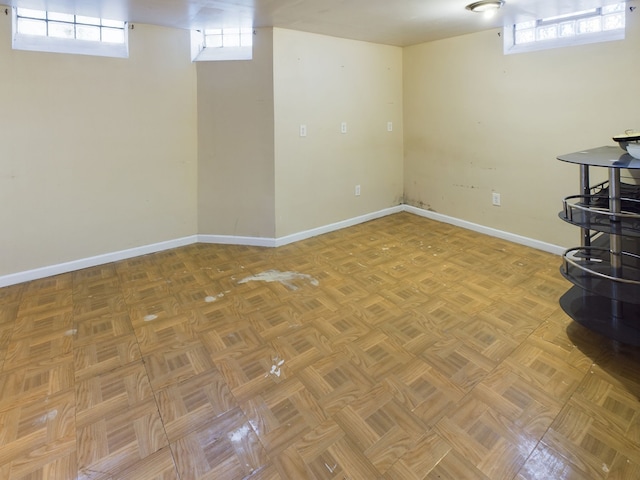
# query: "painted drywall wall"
236,144
98,154
477,121
321,82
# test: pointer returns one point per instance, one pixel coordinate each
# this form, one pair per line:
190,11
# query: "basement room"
292,239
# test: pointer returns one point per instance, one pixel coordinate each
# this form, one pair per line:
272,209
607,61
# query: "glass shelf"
585,211
595,313
590,269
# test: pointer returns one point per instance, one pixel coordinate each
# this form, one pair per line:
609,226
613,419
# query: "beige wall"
478,121
97,154
320,82
101,155
236,144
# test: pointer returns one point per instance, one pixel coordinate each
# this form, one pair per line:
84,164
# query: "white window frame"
510,47
43,43
200,52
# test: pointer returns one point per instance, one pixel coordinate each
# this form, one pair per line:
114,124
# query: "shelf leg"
585,233
615,239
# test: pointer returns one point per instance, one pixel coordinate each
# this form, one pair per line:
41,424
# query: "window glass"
233,43
27,12
67,33
61,30
30,26
87,20
586,26
113,35
88,32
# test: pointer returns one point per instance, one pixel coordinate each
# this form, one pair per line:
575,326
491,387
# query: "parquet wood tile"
486,439
424,390
231,338
55,460
220,314
463,365
147,293
455,466
5,336
183,406
94,330
530,409
97,287
272,322
91,274
421,459
324,453
197,295
114,441
400,348
223,446
248,374
545,463
12,294
282,413
139,274
157,466
160,308
165,334
335,382
381,427
412,333
8,313
341,329
43,323
37,433
543,369
42,287
111,392
50,300
100,306
32,383
38,350
377,355
175,365
589,445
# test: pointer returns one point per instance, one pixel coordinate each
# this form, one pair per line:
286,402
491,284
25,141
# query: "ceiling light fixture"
485,5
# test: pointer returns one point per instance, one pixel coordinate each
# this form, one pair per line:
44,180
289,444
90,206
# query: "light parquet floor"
397,349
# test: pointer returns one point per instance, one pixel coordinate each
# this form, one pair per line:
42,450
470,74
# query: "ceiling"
392,22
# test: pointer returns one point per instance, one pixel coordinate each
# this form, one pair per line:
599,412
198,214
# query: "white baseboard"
512,237
234,240
74,265
296,237
66,267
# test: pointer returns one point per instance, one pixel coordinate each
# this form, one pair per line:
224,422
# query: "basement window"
600,24
44,31
222,44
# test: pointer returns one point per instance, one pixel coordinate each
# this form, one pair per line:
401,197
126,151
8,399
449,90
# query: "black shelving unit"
605,268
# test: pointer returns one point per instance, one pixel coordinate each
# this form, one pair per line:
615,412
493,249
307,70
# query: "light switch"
303,130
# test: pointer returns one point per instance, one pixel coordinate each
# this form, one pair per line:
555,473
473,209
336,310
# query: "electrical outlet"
303,130
343,127
357,190
495,199
389,126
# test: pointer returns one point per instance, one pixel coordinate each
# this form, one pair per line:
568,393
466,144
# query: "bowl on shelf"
628,137
633,149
